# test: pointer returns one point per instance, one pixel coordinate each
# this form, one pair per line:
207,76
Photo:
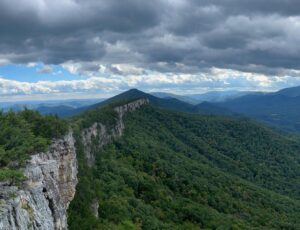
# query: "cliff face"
43,199
100,134
42,202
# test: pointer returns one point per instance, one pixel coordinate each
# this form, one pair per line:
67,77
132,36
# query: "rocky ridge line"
102,134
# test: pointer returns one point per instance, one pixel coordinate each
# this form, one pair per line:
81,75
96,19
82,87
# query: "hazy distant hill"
219,96
61,110
213,96
280,109
290,92
186,99
58,107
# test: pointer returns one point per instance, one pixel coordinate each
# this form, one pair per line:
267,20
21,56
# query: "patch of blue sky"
34,73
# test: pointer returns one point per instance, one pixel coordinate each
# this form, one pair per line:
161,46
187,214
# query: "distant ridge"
183,98
133,94
290,92
280,109
169,103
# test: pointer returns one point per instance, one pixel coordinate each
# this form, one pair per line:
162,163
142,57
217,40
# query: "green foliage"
105,115
22,134
44,126
13,176
177,171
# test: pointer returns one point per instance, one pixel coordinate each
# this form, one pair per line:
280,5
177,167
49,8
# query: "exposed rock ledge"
102,134
43,201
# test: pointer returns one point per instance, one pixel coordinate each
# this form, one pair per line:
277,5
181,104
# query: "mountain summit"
153,168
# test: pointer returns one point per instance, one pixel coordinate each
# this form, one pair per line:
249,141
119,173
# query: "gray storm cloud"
246,35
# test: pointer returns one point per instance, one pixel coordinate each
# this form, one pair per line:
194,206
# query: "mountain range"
212,96
145,162
61,108
280,109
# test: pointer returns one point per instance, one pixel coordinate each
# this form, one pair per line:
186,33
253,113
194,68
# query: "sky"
61,49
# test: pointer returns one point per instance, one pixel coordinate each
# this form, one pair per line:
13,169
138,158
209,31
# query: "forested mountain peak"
169,170
290,92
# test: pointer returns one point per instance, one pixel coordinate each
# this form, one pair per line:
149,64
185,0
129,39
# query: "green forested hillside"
168,103
179,171
280,110
133,94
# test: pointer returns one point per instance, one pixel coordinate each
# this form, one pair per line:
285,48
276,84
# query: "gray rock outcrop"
102,135
42,201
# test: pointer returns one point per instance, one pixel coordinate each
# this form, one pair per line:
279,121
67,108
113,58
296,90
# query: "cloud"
195,33
179,40
45,69
182,83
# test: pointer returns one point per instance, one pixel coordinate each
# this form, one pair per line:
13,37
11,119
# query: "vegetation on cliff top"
22,134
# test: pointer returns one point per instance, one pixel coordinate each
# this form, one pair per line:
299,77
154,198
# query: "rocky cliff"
42,201
100,134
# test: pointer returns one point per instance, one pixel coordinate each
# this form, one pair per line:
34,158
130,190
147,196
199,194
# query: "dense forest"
177,171
22,134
